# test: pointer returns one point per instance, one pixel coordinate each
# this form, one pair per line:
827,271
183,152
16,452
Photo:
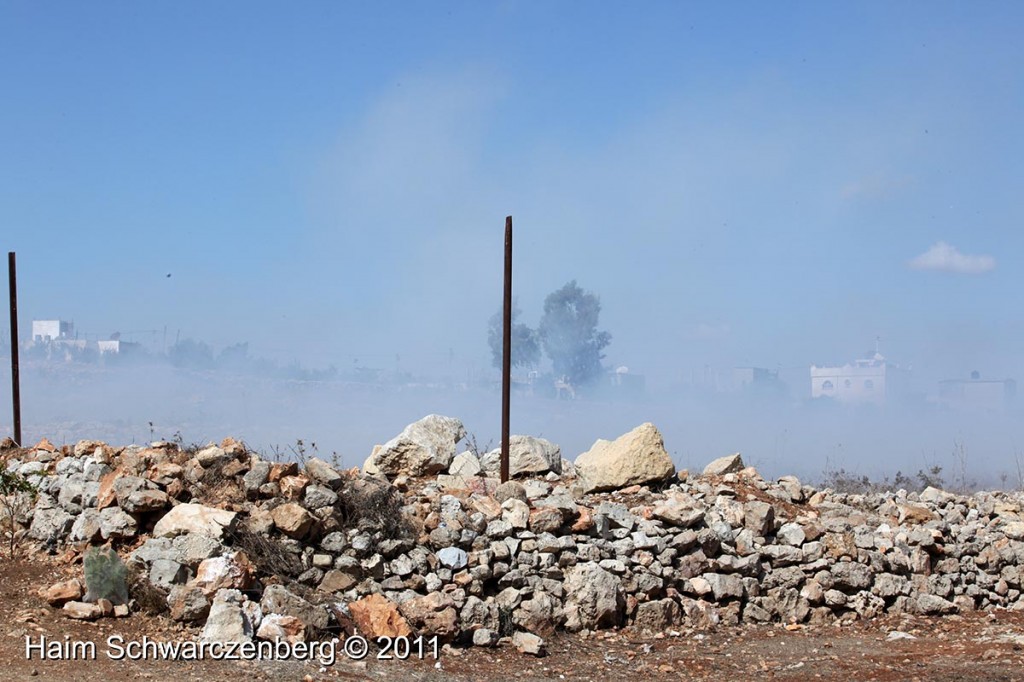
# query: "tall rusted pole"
12,271
506,351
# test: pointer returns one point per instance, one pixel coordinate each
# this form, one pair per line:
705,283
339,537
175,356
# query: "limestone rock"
194,518
432,615
725,465
275,627
528,643
63,592
634,458
465,465
188,604
527,456
292,519
594,598
79,610
278,599
229,571
424,447
229,620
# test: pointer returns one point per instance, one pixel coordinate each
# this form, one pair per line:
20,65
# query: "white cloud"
942,257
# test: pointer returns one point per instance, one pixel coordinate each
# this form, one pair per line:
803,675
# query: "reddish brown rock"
279,470
231,571
376,616
164,473
585,521
106,497
431,615
292,487
292,519
62,593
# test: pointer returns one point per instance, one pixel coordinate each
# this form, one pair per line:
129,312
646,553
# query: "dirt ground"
976,646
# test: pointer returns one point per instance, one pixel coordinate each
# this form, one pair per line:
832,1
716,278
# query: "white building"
869,380
51,330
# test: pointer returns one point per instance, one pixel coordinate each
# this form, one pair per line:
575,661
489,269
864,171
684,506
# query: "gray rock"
850,576
277,599
931,605
724,586
453,558
510,490
86,527
212,456
594,598
485,637
166,573
229,621
115,523
49,522
318,496
791,534
324,473
257,475
657,616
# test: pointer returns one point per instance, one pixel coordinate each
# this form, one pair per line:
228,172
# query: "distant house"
868,380
744,378
990,395
45,331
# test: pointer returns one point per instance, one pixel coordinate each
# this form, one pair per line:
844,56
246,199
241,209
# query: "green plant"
106,576
17,495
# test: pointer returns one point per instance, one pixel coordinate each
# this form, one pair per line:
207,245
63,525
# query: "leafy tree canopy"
569,334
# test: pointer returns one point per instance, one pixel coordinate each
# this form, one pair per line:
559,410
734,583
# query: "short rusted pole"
506,351
15,378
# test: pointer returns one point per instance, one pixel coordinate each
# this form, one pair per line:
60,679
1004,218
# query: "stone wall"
429,543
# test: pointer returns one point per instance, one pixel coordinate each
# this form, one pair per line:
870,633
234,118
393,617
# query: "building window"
869,384
827,386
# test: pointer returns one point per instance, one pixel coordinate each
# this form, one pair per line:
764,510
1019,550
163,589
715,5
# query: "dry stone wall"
424,541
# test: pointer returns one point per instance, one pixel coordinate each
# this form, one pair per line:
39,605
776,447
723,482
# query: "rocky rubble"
425,541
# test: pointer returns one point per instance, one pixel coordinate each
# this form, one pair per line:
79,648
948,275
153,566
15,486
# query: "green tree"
568,332
525,341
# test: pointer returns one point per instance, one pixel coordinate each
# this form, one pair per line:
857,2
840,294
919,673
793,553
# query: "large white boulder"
527,456
422,448
634,458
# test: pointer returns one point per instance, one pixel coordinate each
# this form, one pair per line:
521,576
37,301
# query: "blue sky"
741,183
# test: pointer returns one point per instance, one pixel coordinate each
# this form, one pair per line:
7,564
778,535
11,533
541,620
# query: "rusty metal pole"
506,351
15,378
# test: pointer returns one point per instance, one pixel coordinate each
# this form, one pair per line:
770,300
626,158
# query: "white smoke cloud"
942,257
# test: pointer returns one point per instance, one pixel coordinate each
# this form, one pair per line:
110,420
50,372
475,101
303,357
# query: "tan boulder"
634,458
292,519
725,465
